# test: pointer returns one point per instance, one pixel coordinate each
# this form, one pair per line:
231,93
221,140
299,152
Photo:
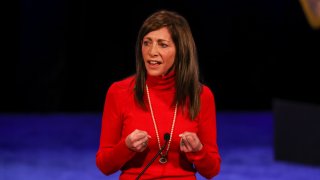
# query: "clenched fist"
137,140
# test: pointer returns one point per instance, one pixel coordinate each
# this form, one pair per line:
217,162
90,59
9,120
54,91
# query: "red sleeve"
113,152
207,160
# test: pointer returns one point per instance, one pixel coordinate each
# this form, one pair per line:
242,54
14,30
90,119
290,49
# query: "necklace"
163,159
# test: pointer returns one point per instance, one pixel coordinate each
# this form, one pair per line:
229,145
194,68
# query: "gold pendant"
163,160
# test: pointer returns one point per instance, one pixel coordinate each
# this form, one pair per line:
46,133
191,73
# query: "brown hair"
187,84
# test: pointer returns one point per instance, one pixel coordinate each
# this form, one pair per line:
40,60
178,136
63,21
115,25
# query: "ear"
311,10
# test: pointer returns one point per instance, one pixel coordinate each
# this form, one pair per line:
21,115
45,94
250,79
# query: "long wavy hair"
187,82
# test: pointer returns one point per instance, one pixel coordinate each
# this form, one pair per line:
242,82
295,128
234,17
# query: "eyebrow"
159,40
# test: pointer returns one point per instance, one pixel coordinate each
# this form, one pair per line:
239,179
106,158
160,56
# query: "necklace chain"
155,124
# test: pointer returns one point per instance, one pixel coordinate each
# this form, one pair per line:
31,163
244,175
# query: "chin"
155,73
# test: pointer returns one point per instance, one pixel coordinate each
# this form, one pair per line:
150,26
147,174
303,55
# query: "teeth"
153,62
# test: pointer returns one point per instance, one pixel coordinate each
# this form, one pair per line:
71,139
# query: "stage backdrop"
69,52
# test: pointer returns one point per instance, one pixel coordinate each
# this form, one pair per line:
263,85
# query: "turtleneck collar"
166,82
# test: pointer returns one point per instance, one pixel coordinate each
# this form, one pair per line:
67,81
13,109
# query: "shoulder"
126,84
206,91
207,99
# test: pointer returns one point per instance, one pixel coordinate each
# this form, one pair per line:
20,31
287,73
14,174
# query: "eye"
163,45
146,43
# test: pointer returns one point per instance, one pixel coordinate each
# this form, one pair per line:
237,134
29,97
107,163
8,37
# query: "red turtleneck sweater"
122,115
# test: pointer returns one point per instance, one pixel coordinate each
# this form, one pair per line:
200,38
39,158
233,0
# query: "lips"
154,62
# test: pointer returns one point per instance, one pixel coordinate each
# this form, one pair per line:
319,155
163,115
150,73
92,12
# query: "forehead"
162,33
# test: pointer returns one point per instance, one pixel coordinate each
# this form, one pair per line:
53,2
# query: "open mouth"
152,62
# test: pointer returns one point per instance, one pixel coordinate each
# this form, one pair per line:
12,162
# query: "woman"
163,98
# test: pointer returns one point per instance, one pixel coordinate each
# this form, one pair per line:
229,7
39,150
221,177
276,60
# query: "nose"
153,50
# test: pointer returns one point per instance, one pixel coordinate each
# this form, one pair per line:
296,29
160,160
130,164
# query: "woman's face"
158,51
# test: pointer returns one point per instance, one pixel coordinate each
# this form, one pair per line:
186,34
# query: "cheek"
143,50
171,61
144,53
170,58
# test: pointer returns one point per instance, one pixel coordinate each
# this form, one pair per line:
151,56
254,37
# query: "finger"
135,138
139,135
192,141
185,144
144,138
139,146
183,147
187,138
142,142
188,144
143,145
187,133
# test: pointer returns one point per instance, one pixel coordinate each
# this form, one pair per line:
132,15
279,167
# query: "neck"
162,82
